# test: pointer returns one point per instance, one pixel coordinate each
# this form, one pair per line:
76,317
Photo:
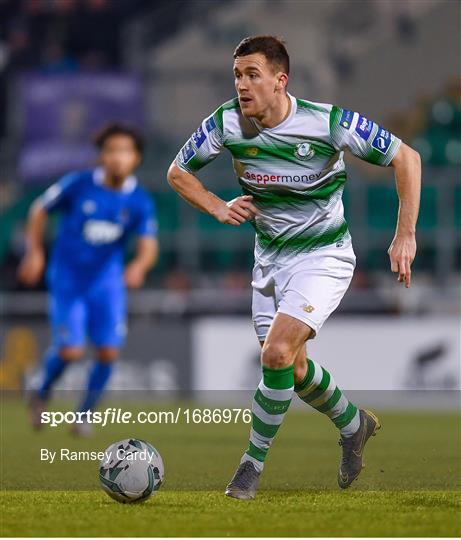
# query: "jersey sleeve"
59,194
204,145
146,223
363,137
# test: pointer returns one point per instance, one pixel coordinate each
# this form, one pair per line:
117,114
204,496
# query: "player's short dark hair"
114,128
272,47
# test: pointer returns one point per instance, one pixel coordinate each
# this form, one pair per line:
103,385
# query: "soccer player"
99,211
288,157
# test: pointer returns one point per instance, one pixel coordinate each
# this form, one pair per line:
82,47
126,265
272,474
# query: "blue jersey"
95,224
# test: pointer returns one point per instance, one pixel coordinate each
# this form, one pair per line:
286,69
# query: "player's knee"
107,354
277,355
71,354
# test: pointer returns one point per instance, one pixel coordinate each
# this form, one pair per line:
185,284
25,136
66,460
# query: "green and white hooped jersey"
295,171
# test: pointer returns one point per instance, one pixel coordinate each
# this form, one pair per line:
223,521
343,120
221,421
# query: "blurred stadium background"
68,66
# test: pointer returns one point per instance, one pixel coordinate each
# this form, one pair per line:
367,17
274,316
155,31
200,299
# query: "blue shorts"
97,311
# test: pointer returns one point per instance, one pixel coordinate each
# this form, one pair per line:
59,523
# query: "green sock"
270,403
318,389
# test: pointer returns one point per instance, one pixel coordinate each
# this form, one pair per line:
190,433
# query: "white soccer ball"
132,470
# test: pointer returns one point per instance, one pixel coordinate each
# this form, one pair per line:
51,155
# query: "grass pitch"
410,486
209,513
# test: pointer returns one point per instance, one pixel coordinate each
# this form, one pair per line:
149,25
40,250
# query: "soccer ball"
131,470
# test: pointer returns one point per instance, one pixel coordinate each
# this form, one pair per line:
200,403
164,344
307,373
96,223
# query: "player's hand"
135,275
237,211
31,268
402,252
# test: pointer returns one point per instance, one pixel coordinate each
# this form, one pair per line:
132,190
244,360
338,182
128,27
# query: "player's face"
257,83
119,156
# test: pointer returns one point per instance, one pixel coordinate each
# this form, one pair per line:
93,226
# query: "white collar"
128,186
294,106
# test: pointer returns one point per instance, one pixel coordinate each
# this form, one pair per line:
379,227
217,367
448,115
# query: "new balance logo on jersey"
252,151
99,232
382,140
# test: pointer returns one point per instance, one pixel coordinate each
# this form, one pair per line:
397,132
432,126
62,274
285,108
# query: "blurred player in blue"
99,211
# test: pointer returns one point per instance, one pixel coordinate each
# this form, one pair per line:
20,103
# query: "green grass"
209,513
410,487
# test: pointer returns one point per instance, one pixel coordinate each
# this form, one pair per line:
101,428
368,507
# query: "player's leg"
286,337
107,328
316,386
99,376
55,362
311,295
67,318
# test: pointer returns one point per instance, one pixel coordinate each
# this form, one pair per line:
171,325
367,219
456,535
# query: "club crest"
304,151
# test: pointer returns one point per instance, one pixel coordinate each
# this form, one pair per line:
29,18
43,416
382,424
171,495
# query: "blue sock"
98,379
53,366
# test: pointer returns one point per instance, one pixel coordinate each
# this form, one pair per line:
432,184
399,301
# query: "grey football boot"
352,447
244,483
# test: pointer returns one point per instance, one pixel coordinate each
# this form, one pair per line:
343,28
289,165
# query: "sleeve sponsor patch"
346,118
382,140
198,137
364,127
187,152
210,124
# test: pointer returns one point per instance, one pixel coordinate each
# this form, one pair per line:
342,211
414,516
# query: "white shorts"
309,288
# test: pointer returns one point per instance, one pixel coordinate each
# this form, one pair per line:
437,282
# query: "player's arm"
374,144
57,197
203,146
147,249
147,245
32,264
194,192
402,251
